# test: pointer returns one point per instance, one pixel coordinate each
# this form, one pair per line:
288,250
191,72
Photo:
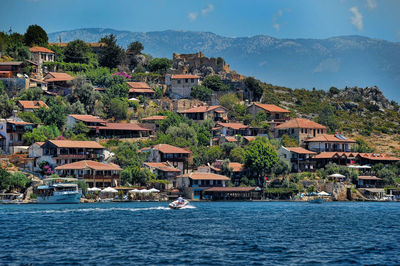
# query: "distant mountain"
296,63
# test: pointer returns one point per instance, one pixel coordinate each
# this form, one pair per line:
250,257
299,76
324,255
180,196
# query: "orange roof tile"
40,143
205,176
378,157
76,144
163,167
88,164
58,77
166,148
249,138
141,91
154,117
231,139
138,85
299,150
88,118
230,189
38,80
369,178
38,49
325,155
300,123
202,109
19,123
32,104
233,125
328,138
185,77
271,108
122,126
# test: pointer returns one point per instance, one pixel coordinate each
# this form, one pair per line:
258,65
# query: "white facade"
181,87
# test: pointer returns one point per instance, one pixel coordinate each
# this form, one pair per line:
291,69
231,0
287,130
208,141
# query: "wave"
96,210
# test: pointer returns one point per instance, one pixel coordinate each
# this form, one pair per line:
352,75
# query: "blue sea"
222,233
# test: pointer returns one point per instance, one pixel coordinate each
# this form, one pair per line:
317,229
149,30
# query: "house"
236,168
164,171
347,158
95,174
180,86
194,184
11,132
140,88
177,157
59,152
300,129
215,112
30,106
330,143
370,182
41,54
299,159
34,83
11,69
233,193
153,122
275,115
59,83
101,128
230,129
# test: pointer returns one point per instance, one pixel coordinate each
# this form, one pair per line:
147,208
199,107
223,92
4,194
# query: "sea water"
238,233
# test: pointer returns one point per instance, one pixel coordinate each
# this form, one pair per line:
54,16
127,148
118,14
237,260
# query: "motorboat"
176,205
59,190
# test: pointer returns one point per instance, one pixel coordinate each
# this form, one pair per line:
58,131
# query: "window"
186,80
179,81
192,80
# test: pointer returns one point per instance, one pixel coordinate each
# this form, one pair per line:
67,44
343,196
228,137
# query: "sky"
232,18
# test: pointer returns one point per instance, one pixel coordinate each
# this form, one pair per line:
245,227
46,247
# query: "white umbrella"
353,166
144,191
134,190
154,190
110,190
134,99
365,167
323,193
94,189
337,176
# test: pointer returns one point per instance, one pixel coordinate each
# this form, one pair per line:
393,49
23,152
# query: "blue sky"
277,18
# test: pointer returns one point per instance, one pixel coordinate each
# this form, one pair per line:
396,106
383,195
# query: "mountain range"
295,63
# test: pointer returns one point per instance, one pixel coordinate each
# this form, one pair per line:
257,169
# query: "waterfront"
210,233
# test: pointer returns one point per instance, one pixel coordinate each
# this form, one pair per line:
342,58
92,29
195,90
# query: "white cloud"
275,23
208,9
192,16
356,18
277,26
371,4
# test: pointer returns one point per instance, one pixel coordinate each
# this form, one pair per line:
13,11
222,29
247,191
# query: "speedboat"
175,204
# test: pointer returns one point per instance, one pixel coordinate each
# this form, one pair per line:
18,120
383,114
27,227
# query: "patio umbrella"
353,166
337,176
364,167
94,189
134,191
109,190
144,191
323,193
154,190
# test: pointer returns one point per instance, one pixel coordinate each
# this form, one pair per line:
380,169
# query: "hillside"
296,63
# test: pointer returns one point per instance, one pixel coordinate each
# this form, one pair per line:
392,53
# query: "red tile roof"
40,143
185,77
32,104
329,138
19,123
163,167
121,126
300,123
369,178
58,77
141,91
166,148
202,109
76,144
271,108
88,164
378,157
88,118
230,189
38,80
300,150
37,49
249,138
138,85
154,117
233,125
236,167
370,156
231,139
325,155
205,176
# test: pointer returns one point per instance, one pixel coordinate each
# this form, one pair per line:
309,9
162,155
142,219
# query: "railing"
71,156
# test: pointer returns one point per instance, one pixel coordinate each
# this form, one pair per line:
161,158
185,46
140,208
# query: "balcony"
71,156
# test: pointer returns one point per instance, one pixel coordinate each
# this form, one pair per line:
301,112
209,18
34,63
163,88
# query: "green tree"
159,65
35,35
214,153
31,94
55,114
42,133
135,47
254,86
183,135
215,83
127,155
118,109
29,117
6,105
327,117
289,141
388,176
77,52
78,130
237,155
260,158
5,179
201,92
19,181
111,55
84,93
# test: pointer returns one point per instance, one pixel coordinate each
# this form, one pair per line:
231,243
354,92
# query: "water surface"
209,233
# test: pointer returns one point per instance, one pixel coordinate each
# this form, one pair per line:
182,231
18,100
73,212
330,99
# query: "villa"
330,143
181,86
299,159
300,129
217,113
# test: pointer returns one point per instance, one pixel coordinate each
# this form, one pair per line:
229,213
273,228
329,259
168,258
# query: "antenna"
10,31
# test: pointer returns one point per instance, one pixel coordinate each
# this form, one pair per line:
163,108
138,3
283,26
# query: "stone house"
137,89
299,159
217,113
30,106
40,55
275,115
180,86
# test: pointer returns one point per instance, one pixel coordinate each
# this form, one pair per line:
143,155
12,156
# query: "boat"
175,204
316,200
56,192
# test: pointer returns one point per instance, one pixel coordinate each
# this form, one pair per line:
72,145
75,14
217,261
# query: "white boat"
317,200
175,204
58,193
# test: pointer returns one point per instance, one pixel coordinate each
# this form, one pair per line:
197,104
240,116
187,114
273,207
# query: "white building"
180,86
